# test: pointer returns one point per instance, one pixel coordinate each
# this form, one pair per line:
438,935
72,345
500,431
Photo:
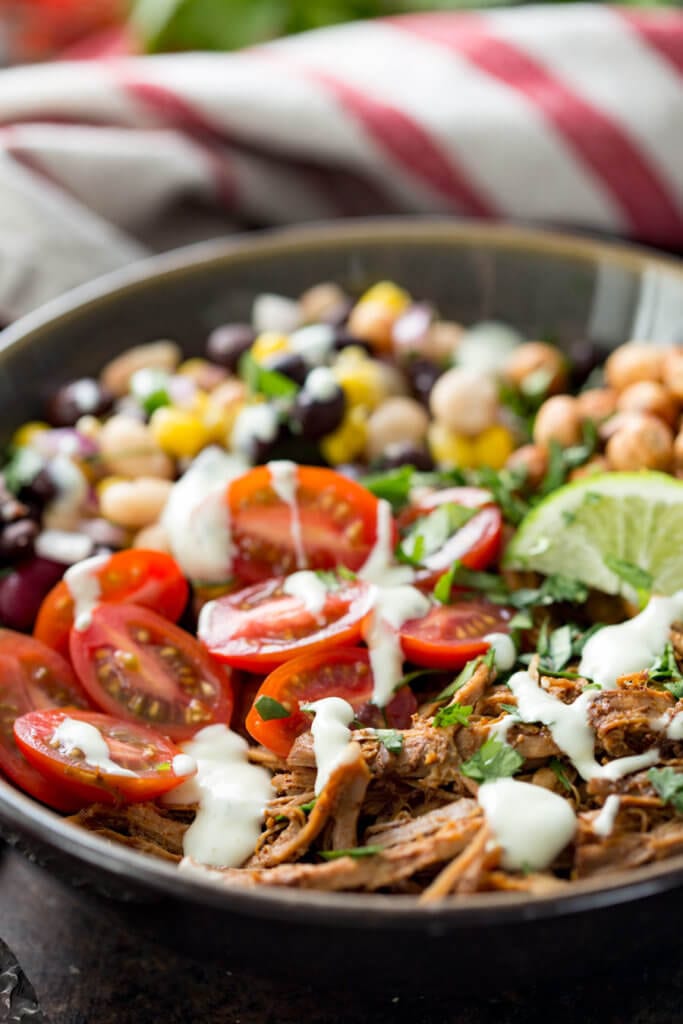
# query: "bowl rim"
24,818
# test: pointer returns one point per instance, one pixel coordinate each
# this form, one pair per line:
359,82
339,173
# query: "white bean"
397,421
464,401
128,449
135,504
558,420
157,355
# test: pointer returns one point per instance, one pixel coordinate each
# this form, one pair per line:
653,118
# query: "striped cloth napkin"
570,116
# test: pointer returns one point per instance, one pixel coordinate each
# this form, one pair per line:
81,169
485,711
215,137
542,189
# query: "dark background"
89,965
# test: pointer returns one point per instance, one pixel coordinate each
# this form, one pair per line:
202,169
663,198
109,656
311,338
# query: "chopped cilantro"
392,739
467,672
511,709
22,469
269,708
557,767
262,381
631,574
453,714
346,574
591,686
394,485
356,851
493,760
505,485
668,784
665,670
554,589
521,620
555,648
308,807
562,460
430,532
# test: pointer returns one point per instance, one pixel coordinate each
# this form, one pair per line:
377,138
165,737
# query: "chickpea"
128,450
391,380
152,538
320,301
633,362
536,357
464,401
649,396
533,459
135,503
207,376
372,321
643,442
398,420
157,355
558,420
672,371
442,340
598,464
596,404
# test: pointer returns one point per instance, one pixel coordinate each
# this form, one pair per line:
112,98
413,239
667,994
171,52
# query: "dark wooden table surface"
89,965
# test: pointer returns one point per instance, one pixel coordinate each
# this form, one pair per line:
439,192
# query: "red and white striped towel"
569,116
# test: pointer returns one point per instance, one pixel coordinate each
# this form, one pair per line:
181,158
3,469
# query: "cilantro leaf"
505,485
308,807
665,670
511,709
356,851
561,460
453,714
668,784
558,649
392,739
262,381
557,767
640,579
467,672
23,467
269,708
430,532
394,485
493,760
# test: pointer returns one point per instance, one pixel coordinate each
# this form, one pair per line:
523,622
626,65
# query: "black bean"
403,454
41,490
228,342
16,539
290,365
314,417
423,375
343,339
22,591
84,397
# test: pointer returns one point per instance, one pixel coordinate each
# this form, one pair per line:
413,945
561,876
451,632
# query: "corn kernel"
219,420
374,315
362,381
493,447
388,294
348,440
267,345
178,433
27,433
449,449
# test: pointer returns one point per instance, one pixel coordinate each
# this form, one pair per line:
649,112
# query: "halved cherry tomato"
141,761
262,626
476,544
137,666
330,520
32,677
449,635
341,672
148,578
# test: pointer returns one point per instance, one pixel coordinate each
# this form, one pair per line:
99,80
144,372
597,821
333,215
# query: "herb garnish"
453,714
23,467
493,760
393,486
668,785
561,461
262,381
430,532
467,672
392,739
554,589
640,579
665,670
269,708
557,767
356,851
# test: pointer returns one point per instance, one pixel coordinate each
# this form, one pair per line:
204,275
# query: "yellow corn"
387,294
348,440
361,378
493,447
28,432
267,345
449,449
178,432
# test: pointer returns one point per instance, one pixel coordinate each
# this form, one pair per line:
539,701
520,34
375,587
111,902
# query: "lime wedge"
610,518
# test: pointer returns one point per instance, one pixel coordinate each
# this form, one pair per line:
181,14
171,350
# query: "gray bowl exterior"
547,286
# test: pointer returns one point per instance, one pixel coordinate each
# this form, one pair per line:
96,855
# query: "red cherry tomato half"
136,665
94,757
32,677
341,672
330,519
449,635
468,497
148,578
262,626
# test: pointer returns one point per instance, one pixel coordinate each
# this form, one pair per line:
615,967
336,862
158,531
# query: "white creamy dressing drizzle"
63,546
630,646
64,511
309,588
569,727
283,475
674,729
603,824
197,517
321,384
231,793
504,650
254,423
313,343
396,602
331,736
183,764
84,587
531,824
73,735
499,730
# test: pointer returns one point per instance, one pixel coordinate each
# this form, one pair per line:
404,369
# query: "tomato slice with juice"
90,757
340,672
32,677
268,623
449,635
330,520
147,578
137,666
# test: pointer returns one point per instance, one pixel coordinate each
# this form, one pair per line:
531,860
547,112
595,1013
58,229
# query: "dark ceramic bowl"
569,289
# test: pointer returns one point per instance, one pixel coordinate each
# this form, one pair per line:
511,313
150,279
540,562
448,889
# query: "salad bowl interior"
570,290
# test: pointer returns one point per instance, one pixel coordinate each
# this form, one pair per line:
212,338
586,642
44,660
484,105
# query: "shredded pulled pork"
408,821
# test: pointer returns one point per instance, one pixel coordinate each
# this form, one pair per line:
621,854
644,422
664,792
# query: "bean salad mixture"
362,600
